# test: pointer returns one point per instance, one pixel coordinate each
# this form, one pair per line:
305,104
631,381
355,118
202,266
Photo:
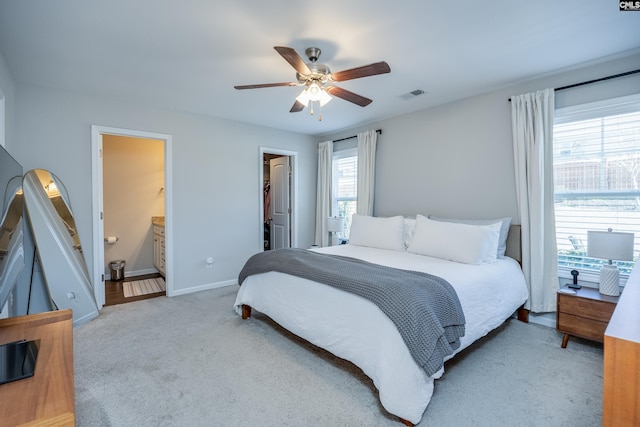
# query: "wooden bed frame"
514,250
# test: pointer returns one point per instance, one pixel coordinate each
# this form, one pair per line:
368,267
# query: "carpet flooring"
191,360
143,287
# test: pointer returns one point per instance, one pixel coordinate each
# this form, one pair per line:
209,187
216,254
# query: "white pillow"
409,229
504,228
374,232
466,243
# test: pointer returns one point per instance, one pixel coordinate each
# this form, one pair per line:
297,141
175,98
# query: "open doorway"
114,152
133,206
278,209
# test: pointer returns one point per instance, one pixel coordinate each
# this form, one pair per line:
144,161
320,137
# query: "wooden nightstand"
584,314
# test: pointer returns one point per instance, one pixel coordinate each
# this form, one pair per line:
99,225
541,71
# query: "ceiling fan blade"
292,57
364,71
348,96
266,85
297,107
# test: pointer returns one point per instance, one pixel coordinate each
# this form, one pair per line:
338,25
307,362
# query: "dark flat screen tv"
12,222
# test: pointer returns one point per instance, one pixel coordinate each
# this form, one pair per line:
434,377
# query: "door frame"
293,162
98,204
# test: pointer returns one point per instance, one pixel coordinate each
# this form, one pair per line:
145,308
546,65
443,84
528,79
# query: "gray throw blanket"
425,308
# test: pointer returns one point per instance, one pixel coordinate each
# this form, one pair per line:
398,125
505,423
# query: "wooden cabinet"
46,398
158,248
585,313
622,359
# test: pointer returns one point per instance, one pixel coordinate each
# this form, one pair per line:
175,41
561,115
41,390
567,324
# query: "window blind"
345,180
596,152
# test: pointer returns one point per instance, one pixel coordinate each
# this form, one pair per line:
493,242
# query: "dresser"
583,313
46,398
620,406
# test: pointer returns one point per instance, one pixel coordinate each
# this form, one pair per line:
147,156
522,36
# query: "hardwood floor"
114,293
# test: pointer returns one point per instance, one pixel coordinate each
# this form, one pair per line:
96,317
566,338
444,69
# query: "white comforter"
355,329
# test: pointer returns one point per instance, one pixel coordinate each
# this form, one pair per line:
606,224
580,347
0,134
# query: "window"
345,180
596,162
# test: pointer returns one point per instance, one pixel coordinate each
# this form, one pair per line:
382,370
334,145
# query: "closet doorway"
278,210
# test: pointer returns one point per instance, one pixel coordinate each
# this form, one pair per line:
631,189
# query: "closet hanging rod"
378,131
601,79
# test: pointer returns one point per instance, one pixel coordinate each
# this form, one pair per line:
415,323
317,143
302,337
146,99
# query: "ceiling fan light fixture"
314,76
303,98
324,98
314,90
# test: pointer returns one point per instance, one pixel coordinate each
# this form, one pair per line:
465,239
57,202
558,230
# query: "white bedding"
355,329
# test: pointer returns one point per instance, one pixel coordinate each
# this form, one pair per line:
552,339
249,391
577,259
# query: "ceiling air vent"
412,94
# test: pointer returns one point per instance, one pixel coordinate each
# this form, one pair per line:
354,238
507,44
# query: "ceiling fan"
318,78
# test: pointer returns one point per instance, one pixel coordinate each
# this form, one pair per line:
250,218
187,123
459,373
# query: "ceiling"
187,55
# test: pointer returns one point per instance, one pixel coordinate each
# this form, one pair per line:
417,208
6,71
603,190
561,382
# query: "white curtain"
366,171
532,126
323,202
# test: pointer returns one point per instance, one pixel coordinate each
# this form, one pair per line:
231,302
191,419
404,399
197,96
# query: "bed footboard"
246,311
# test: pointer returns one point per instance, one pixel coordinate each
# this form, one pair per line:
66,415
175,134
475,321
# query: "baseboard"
544,319
135,273
204,287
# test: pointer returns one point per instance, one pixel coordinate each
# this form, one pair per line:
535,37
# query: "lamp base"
609,280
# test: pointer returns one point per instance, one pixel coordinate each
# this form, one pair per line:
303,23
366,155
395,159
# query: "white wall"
216,174
457,159
7,96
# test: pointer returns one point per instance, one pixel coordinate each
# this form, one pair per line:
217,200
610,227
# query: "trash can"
117,270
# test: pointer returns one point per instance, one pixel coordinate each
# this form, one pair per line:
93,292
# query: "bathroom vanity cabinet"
158,244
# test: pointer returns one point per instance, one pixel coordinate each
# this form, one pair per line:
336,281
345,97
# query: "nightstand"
585,313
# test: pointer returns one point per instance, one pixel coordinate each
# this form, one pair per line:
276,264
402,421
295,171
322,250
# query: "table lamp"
611,246
335,225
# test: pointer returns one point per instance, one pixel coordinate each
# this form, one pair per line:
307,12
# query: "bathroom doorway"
132,195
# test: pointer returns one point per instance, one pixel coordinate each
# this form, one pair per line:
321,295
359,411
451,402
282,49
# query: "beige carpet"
190,360
143,287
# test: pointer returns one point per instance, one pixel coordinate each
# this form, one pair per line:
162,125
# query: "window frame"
594,110
338,155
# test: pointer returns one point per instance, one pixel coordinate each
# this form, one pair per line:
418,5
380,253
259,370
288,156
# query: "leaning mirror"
58,244
11,231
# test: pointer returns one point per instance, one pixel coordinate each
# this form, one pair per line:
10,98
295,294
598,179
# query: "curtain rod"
601,79
378,131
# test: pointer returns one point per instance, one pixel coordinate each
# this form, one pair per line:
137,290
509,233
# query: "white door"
280,204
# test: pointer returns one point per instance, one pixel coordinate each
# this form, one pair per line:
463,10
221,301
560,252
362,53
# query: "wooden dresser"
584,313
621,399
47,398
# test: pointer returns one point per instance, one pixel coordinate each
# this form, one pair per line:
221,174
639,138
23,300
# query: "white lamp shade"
335,224
314,90
610,245
324,98
303,98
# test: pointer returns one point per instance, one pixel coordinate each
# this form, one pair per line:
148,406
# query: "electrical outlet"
209,262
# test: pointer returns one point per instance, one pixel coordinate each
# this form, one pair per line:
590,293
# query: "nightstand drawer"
580,326
590,309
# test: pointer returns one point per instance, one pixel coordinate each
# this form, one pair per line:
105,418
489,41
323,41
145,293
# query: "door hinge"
102,277
100,153
101,217
289,210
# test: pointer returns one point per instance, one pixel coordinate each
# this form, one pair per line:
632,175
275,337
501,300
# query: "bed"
355,328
